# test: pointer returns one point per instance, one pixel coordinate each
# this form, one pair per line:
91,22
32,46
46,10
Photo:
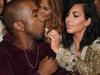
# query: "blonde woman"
51,11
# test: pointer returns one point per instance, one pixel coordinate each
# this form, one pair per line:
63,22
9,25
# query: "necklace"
26,56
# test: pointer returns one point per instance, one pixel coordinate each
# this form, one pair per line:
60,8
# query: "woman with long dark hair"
81,46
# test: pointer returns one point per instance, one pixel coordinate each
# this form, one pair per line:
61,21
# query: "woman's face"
75,20
1,6
45,10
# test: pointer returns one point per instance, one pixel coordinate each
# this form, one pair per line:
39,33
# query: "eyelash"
35,15
76,15
45,8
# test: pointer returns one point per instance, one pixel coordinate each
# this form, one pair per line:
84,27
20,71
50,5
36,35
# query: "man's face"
33,24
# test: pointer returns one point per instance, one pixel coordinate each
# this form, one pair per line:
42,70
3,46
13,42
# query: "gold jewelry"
37,58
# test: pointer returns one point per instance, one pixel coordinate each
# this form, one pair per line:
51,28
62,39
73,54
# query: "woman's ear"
18,26
88,22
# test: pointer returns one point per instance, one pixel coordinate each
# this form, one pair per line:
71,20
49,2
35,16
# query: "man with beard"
20,54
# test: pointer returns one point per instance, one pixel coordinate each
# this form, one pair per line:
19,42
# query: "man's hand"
47,66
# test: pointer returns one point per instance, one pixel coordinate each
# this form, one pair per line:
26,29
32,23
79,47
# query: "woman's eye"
45,8
76,15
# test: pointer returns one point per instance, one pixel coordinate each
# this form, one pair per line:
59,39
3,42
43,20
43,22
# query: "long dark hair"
90,33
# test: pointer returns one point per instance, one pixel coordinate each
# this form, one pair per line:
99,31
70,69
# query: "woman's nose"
41,11
40,17
68,19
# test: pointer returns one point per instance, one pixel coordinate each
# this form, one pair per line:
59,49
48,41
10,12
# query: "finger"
54,32
50,36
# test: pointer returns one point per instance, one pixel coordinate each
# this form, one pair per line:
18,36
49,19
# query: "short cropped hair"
12,13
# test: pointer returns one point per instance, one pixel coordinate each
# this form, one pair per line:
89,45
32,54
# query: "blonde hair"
56,8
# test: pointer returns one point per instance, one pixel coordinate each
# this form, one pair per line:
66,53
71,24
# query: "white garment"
1,30
8,1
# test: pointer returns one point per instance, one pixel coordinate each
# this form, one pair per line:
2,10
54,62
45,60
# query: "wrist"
67,60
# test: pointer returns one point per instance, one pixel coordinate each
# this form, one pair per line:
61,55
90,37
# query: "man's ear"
18,26
88,22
